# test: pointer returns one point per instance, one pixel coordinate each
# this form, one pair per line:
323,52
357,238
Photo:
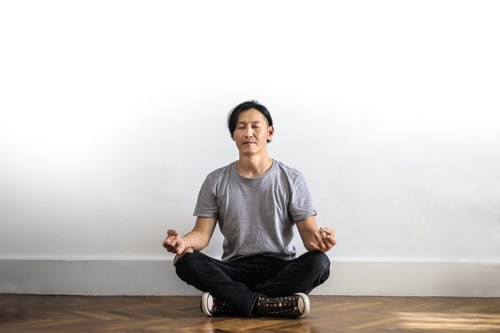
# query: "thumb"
172,232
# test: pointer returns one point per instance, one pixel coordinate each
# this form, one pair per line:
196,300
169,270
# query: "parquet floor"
63,314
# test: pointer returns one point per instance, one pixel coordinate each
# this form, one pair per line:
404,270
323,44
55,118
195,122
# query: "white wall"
113,112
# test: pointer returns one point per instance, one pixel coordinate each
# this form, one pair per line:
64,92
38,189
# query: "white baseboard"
157,277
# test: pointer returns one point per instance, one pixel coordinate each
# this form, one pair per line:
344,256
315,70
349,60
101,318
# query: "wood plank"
68,314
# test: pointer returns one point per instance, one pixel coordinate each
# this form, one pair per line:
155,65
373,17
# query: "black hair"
232,119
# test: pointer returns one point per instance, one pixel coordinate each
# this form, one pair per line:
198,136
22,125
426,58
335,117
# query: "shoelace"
221,307
279,306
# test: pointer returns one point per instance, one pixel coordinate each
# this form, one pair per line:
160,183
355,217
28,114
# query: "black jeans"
240,282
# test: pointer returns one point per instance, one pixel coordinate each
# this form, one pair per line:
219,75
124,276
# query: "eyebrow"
249,122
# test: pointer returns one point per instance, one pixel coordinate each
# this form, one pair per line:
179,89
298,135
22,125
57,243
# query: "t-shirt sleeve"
206,205
301,205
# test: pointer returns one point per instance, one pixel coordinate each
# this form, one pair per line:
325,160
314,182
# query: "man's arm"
197,239
314,238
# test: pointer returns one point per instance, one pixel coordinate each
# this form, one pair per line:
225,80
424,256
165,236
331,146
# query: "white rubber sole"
207,303
304,304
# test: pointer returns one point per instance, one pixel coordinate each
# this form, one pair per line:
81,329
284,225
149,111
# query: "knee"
321,261
316,260
185,265
318,268
321,264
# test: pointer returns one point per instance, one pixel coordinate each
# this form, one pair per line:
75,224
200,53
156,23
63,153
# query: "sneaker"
295,306
211,306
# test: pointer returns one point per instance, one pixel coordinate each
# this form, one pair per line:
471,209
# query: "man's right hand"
174,242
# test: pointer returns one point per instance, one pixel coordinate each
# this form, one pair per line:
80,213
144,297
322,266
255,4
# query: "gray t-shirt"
256,215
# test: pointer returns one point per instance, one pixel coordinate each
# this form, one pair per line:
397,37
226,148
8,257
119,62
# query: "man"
256,201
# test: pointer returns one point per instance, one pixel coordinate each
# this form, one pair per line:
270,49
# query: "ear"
270,133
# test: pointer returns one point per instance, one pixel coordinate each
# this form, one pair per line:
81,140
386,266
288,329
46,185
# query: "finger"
167,242
315,246
329,236
174,241
179,246
327,231
328,239
173,238
332,240
319,241
170,243
172,232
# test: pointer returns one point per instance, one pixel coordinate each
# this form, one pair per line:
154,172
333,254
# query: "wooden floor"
28,313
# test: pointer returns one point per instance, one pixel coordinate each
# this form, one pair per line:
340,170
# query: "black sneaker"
211,306
295,306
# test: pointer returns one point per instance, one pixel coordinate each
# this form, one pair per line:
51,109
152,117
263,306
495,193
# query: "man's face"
252,132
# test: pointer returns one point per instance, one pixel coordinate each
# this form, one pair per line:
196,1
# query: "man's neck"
253,166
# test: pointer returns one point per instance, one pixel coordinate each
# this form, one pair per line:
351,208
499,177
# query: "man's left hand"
325,239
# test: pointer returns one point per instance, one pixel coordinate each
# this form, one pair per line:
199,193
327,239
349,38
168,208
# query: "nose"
248,132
